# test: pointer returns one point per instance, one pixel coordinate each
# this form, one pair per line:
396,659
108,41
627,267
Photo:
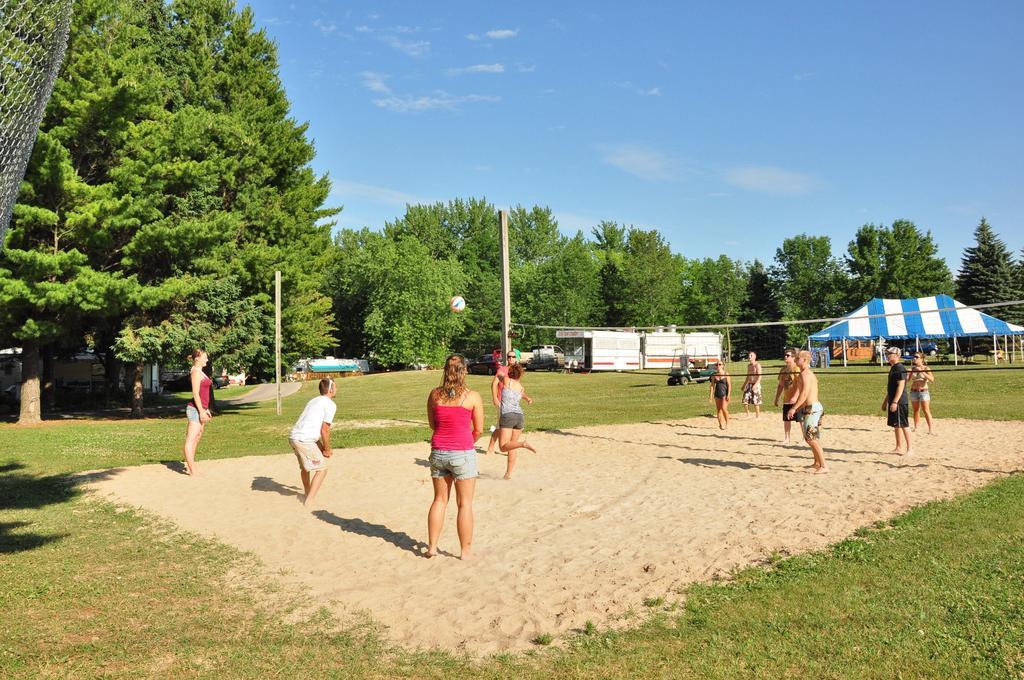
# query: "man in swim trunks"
896,403
512,357
808,410
787,390
752,386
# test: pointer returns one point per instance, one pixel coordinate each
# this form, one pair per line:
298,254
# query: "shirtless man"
808,409
752,386
787,390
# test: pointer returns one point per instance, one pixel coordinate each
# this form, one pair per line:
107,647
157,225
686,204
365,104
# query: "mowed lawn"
87,591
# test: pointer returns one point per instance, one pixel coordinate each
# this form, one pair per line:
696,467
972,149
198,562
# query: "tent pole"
995,350
844,352
881,351
956,361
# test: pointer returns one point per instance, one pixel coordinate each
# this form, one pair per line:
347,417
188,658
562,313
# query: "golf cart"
686,370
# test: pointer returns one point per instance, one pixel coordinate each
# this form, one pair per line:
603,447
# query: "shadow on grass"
20,491
160,411
399,539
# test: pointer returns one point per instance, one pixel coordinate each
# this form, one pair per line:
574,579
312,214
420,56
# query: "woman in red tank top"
456,415
198,409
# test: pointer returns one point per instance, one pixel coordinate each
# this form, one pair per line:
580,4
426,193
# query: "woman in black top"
721,387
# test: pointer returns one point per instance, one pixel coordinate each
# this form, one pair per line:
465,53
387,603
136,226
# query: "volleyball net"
33,39
964,338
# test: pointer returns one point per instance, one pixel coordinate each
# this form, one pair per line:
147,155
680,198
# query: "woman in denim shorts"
456,415
198,409
921,377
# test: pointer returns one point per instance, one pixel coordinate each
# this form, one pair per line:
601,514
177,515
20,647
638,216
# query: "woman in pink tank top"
198,409
456,415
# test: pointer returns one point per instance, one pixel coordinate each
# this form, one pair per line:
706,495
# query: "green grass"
86,590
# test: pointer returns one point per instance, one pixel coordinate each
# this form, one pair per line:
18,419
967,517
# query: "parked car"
546,357
485,365
12,395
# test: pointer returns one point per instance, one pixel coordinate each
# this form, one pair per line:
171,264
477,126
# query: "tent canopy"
942,317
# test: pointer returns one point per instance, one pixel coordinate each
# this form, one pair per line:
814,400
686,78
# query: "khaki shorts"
310,457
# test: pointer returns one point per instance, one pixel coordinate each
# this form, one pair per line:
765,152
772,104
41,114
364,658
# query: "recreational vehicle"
601,350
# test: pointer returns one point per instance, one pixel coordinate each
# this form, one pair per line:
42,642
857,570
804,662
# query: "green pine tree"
987,272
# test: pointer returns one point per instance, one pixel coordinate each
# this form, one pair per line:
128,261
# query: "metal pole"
844,352
277,337
506,291
995,350
956,359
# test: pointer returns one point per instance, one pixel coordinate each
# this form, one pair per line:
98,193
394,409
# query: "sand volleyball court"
600,519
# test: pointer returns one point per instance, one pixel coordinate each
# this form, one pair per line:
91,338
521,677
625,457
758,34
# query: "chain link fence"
33,38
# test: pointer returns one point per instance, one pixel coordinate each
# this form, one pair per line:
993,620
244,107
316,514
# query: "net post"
277,337
506,294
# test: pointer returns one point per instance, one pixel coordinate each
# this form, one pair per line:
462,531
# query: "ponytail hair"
453,383
194,354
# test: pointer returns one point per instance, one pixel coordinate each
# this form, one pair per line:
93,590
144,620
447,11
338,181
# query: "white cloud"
647,164
363,29
642,91
375,82
325,27
345,190
526,68
477,68
472,36
570,223
416,48
502,33
805,76
438,100
768,179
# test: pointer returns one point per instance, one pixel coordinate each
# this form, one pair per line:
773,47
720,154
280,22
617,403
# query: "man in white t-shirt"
311,438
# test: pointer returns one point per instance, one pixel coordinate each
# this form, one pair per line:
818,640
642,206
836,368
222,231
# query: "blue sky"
727,126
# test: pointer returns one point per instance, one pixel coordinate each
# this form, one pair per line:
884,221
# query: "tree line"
168,182
392,287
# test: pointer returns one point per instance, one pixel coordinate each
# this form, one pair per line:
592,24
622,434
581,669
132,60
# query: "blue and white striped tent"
939,316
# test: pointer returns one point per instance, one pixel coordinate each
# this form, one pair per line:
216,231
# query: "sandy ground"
598,520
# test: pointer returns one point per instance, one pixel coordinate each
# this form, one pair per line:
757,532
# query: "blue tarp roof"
941,317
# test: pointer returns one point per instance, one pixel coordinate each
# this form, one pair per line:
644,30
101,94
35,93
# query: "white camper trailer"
602,350
662,348
702,348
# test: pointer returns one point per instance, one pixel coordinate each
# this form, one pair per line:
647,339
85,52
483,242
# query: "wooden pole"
277,337
506,290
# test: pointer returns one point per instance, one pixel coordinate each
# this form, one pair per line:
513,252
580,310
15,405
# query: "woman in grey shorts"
456,415
511,421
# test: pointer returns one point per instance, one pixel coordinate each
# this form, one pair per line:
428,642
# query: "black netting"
33,37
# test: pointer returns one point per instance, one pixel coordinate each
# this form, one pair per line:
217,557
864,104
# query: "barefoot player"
752,386
512,357
896,403
787,390
311,439
808,409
